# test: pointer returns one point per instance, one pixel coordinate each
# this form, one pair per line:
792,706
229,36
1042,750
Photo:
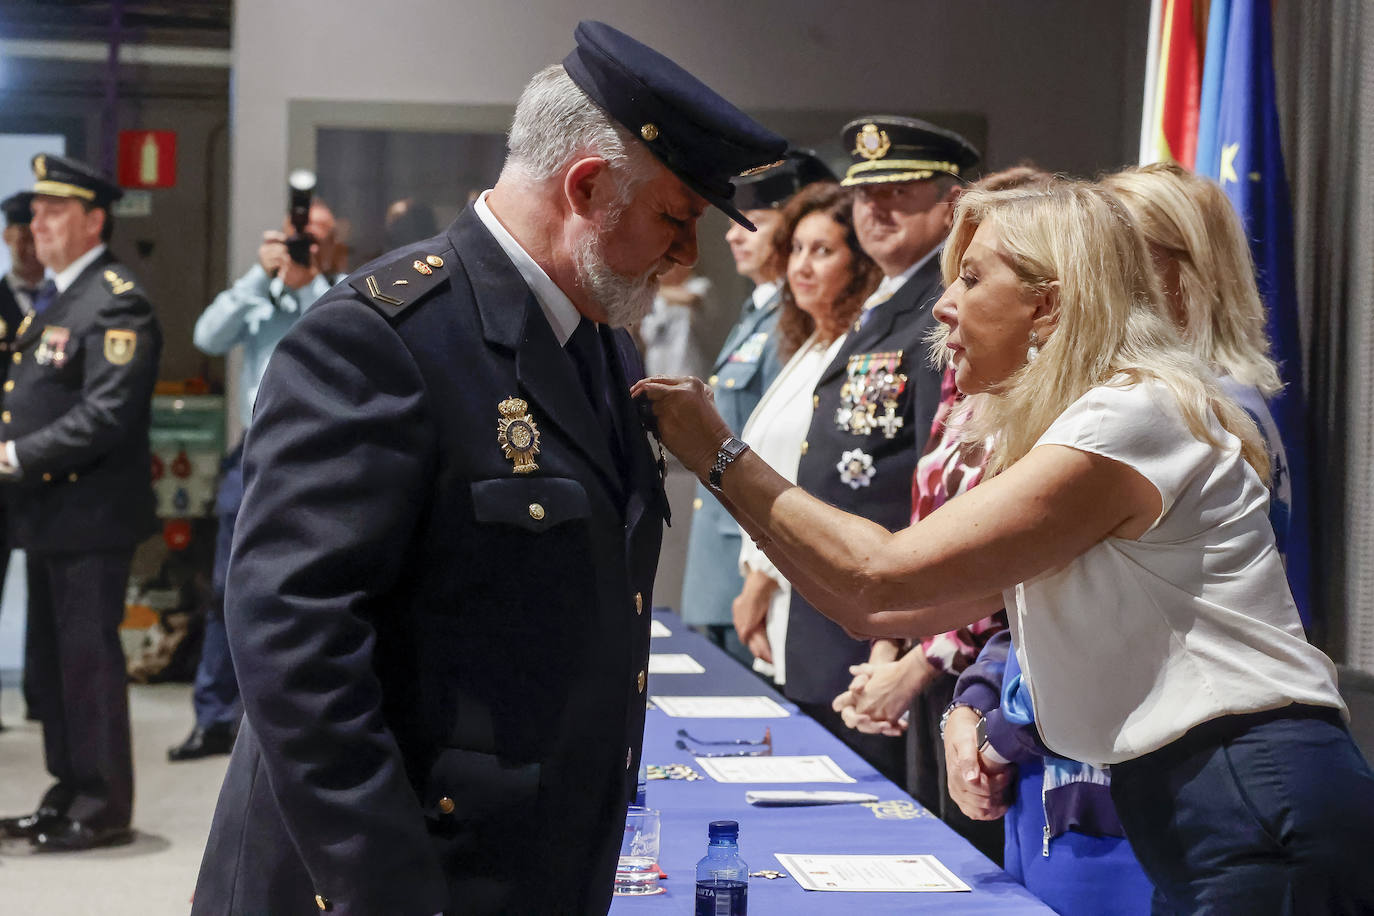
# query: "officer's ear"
588,186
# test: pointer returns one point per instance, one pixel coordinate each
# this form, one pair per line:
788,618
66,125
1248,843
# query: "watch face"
981,732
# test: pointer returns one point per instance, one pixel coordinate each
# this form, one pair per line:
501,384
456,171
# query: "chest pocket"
533,504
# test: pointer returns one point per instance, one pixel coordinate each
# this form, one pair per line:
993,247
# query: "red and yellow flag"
1178,84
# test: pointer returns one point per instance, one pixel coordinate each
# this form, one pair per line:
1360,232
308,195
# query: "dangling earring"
1034,349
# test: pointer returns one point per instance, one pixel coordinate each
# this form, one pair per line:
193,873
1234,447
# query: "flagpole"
1149,112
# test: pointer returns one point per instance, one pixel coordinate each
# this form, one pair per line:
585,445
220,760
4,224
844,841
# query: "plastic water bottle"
722,876
642,787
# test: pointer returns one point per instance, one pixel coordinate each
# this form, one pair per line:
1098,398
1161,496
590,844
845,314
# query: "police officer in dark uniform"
747,364
439,591
875,402
74,447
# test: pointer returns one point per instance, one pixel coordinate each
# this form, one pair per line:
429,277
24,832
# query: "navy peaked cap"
18,209
774,187
701,138
890,148
58,176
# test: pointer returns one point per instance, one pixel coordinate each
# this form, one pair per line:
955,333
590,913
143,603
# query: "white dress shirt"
562,315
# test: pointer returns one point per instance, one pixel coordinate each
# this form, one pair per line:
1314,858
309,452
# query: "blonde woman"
1124,526
1203,261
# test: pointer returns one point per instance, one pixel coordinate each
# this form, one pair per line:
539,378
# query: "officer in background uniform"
875,402
438,599
17,291
74,423
746,366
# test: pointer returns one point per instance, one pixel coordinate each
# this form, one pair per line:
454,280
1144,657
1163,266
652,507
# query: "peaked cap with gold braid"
891,148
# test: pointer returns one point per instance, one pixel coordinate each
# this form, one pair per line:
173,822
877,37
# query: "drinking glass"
636,873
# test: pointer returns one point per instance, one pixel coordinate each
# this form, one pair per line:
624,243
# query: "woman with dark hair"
827,279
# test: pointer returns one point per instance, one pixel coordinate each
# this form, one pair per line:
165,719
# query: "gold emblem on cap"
40,166
422,267
517,435
872,143
649,132
433,260
761,168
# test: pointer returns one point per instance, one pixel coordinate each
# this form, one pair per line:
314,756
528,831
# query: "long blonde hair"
1110,324
1192,221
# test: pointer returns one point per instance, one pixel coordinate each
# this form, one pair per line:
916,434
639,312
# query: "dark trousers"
215,696
1266,813
927,778
77,668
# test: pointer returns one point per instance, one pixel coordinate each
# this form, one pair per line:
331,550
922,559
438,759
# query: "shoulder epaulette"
396,287
117,281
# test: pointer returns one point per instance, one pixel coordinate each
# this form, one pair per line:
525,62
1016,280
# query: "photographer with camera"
294,269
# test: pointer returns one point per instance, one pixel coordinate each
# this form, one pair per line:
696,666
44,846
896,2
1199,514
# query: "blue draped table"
687,807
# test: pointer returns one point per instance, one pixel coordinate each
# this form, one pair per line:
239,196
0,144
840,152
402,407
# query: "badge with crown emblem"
872,143
517,434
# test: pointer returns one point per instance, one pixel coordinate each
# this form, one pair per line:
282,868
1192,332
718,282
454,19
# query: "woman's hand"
981,789
885,691
750,613
688,423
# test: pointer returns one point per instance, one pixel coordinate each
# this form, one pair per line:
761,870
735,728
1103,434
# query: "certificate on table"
914,873
674,663
819,768
721,707
657,629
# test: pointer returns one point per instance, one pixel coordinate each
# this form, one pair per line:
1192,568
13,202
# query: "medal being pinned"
517,434
856,468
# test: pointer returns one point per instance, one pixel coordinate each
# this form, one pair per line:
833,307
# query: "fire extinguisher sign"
147,158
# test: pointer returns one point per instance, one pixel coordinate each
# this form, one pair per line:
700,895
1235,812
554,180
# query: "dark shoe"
73,836
204,742
29,826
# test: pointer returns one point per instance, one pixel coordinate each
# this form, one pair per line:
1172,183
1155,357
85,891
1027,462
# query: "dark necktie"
589,358
47,294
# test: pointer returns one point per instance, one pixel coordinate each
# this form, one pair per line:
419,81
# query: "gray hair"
555,122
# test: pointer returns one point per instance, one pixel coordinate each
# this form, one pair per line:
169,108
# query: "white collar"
764,293
67,276
562,315
889,285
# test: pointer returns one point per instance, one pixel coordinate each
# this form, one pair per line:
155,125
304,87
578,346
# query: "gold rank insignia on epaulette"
118,285
394,287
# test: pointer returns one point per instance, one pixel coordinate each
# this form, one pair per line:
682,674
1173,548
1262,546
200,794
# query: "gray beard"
625,300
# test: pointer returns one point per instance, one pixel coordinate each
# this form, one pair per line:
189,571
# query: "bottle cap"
724,830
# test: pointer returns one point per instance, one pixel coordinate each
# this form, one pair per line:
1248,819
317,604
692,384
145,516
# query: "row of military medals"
873,384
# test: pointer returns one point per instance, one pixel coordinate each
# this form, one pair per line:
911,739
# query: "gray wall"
1058,83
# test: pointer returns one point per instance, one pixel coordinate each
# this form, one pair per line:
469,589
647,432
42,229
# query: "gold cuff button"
446,805
643,680
536,512
323,903
696,504
639,603
649,132
805,446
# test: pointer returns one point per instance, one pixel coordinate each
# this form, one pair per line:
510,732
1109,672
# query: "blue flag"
1247,162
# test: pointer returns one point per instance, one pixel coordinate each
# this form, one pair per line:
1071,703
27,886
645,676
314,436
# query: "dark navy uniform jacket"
442,661
746,366
78,403
819,652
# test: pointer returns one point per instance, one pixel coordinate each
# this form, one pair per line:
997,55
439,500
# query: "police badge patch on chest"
517,435
52,347
868,398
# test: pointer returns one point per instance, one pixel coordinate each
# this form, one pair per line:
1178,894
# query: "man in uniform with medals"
876,401
746,366
74,455
438,600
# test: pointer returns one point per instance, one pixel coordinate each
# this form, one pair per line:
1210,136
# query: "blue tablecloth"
687,807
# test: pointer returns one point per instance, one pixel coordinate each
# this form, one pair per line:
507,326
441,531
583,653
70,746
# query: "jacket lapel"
32,326
512,320
917,293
